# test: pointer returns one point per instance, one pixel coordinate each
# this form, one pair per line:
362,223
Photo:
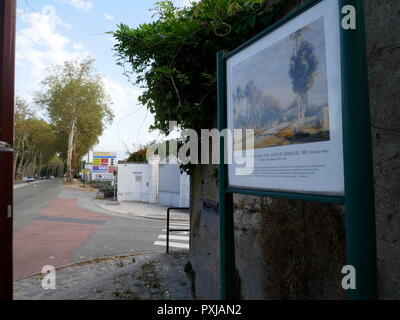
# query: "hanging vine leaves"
174,57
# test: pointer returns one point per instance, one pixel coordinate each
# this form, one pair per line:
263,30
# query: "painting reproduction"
281,92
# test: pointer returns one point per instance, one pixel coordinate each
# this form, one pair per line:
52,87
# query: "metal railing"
173,230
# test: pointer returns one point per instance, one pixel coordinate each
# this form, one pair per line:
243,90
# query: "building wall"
184,194
154,163
287,249
169,185
128,188
383,44
159,184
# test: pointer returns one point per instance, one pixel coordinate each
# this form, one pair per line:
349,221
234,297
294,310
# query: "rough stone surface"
294,249
383,45
204,237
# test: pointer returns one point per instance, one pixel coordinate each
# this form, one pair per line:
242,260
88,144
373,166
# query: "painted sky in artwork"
269,68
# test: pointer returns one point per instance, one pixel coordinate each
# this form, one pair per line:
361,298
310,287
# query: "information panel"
287,88
104,165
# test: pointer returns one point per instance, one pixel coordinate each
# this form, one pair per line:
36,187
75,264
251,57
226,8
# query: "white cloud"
39,46
78,46
184,3
131,120
108,16
62,23
82,5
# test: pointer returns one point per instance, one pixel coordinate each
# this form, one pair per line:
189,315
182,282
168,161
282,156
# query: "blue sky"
52,31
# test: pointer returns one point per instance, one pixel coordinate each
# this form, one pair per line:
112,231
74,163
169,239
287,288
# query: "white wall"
154,163
159,184
184,195
169,185
133,182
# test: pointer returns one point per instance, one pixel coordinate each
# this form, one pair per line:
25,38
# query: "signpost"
104,165
302,85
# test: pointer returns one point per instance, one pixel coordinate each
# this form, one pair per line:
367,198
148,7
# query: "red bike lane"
53,236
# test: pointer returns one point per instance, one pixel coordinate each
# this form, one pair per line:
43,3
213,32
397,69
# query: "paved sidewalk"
152,276
141,209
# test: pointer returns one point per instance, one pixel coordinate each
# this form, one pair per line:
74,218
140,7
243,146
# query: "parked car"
28,179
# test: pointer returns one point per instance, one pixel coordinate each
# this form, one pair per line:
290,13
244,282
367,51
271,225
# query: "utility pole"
7,74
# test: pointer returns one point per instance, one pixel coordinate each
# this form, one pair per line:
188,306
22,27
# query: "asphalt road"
31,199
55,225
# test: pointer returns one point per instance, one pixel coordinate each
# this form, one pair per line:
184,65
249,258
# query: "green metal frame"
358,174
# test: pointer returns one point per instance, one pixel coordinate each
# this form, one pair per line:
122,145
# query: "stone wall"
288,249
383,45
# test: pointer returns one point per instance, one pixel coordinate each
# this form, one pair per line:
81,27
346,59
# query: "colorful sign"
100,168
103,165
111,169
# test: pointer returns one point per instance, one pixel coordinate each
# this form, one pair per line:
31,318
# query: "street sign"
103,165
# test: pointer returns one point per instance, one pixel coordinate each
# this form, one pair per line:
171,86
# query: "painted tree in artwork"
303,67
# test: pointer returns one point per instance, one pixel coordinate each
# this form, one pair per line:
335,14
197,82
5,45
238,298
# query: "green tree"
138,155
78,108
21,132
55,167
34,141
174,57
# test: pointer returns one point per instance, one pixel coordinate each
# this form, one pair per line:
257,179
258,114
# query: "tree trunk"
16,155
70,148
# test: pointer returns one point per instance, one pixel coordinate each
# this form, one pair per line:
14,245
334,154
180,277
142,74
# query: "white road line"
176,232
179,226
172,244
172,237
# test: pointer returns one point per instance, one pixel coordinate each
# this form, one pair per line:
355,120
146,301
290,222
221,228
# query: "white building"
153,183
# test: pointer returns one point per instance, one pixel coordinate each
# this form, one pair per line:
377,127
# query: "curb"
89,262
136,215
25,184
69,187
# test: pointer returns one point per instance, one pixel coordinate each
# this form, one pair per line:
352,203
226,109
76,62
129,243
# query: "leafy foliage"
174,57
77,106
34,141
138,156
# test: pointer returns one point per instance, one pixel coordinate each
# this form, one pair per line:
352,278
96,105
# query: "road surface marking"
181,236
172,244
172,237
